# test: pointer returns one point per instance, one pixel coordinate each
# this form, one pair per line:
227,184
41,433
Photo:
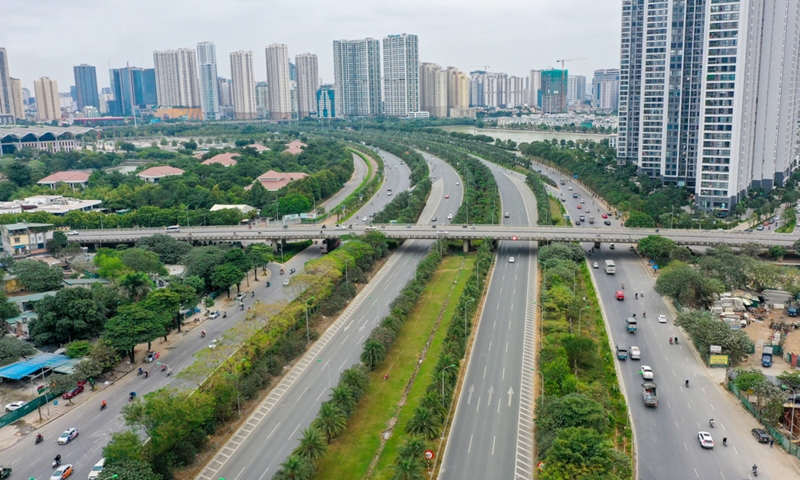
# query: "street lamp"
327,364
579,316
308,334
444,370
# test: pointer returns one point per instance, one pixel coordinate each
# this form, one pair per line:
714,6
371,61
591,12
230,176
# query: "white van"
98,467
450,217
173,228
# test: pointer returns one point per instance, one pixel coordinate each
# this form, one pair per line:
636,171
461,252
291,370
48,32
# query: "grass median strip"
350,455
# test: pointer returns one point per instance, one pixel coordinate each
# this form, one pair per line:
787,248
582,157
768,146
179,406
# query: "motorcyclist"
676,340
141,371
711,422
132,395
687,383
755,468
644,314
623,286
39,438
670,340
636,295
202,334
725,441
146,373
58,460
103,404
252,294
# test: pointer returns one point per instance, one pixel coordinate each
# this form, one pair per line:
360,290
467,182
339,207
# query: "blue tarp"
19,370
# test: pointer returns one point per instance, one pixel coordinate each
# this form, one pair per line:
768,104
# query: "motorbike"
755,471
224,314
146,373
711,423
141,371
103,406
203,334
57,461
670,340
676,340
268,284
252,294
163,368
39,439
131,396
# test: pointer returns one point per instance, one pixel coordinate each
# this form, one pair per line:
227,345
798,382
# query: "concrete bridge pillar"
97,246
466,245
275,247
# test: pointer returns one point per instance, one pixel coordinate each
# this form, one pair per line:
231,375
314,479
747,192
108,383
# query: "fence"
775,434
29,407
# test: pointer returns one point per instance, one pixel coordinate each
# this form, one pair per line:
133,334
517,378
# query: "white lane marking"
493,324
263,474
321,394
503,376
469,449
484,371
273,430
240,473
490,346
494,439
506,347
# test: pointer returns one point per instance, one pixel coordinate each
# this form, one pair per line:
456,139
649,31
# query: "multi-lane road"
492,432
257,449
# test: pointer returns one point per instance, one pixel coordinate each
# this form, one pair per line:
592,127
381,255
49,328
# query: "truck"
622,353
329,244
610,267
597,245
792,311
766,357
631,325
591,218
649,394
564,182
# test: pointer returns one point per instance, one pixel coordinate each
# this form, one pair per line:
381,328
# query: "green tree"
777,252
225,276
295,468
656,246
640,220
412,447
330,421
201,262
127,469
19,173
752,249
8,309
312,446
12,349
78,348
294,203
124,445
111,267
38,276
423,423
373,353
678,281
572,410
579,452
57,243
259,256
197,283
133,325
170,251
408,468
71,314
796,245
167,303
136,285
141,260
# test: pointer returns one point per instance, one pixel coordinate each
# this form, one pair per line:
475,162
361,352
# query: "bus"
610,267
173,228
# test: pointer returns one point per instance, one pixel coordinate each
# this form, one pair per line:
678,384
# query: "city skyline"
163,27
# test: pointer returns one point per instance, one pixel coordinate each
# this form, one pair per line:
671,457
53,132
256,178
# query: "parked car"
69,435
213,344
14,405
760,435
151,356
72,393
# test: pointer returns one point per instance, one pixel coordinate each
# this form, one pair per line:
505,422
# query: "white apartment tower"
400,75
176,78
535,88
6,98
48,102
457,92
605,89
709,96
243,86
357,75
307,84
207,64
16,97
280,95
576,88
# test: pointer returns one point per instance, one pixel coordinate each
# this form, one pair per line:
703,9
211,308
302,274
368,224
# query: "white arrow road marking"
491,392
510,394
471,391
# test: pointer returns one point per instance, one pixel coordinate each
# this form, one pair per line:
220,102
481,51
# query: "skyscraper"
433,89
262,99
176,78
243,85
16,98
225,88
86,86
6,107
132,87
326,102
554,98
207,65
307,84
280,95
720,108
535,89
576,89
515,93
357,75
605,89
400,75
48,105
457,92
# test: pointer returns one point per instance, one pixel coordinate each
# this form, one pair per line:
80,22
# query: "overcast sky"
48,37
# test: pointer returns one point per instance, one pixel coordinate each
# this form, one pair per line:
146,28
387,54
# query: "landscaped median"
582,425
366,189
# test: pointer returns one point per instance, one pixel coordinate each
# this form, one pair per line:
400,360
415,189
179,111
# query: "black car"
760,435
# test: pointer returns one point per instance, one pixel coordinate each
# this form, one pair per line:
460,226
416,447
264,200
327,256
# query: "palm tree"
312,445
433,402
136,285
331,421
357,378
342,397
424,423
295,468
407,469
412,447
373,354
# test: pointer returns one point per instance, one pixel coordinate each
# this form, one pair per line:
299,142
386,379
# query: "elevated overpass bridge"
541,233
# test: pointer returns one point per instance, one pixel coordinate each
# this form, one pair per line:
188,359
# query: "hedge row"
333,414
534,180
250,355
406,207
364,192
431,412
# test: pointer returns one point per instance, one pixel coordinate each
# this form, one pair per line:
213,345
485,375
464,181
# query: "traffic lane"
298,407
681,412
359,174
396,178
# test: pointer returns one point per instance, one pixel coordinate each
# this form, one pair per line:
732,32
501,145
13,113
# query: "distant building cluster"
561,120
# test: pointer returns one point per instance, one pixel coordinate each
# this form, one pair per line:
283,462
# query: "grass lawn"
349,456
556,212
787,227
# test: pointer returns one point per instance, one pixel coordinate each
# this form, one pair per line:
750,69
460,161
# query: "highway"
360,170
666,436
491,436
96,427
266,438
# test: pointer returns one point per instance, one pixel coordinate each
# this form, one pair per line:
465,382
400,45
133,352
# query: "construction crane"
564,77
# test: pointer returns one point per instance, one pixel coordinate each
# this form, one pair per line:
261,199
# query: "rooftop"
242,208
273,180
295,147
39,132
160,172
69,176
225,159
25,226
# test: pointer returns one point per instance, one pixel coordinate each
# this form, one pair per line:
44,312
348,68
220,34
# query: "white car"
63,472
72,232
214,344
595,265
98,467
213,315
662,318
647,372
286,283
705,439
68,435
14,405
511,260
635,354
569,188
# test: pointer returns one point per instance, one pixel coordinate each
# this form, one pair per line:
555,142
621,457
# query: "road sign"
429,455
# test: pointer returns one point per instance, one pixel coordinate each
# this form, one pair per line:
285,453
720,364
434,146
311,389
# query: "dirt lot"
761,333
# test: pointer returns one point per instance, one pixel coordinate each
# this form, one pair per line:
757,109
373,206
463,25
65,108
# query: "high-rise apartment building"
605,89
515,92
535,88
224,86
433,90
457,92
400,75
243,85
86,86
17,98
6,107
176,78
132,88
262,99
712,103
576,89
280,95
307,84
326,102
48,105
554,95
207,65
357,75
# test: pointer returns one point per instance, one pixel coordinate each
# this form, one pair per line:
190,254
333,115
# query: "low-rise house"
274,181
295,147
25,238
154,174
84,282
224,159
73,178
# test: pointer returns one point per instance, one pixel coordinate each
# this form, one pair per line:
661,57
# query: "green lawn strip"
364,191
350,454
556,212
787,227
383,469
